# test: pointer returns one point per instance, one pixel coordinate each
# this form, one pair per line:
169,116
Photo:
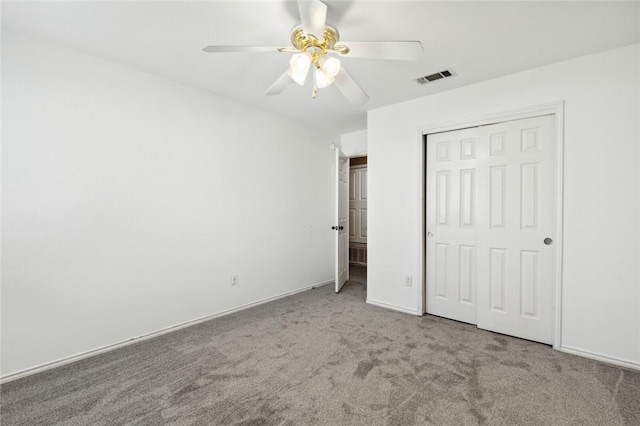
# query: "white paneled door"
358,204
515,241
451,225
490,226
342,220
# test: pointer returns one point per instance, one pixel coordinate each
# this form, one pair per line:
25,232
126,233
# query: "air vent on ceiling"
437,76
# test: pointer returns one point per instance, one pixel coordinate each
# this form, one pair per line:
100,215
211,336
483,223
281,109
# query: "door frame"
357,154
557,110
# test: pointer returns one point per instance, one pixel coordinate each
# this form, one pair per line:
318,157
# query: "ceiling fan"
314,42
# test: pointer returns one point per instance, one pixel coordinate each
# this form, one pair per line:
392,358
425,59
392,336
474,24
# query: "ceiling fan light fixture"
299,67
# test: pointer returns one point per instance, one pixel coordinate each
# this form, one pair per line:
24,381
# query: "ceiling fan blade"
313,14
349,88
283,81
393,50
239,49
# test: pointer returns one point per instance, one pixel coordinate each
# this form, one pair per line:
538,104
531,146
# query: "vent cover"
436,76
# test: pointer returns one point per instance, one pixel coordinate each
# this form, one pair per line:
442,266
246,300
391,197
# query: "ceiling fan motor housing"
310,44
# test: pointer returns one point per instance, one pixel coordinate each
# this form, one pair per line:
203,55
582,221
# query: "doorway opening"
358,220
351,223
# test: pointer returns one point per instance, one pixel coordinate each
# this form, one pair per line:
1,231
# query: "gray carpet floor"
321,358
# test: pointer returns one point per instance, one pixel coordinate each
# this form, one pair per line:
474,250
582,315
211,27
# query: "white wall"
354,144
129,201
601,279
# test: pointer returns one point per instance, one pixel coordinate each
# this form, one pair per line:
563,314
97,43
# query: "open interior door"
342,219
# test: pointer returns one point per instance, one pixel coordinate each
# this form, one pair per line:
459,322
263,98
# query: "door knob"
548,241
340,228
429,234
335,228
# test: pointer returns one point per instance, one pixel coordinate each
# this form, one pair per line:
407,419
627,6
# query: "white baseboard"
393,307
599,357
108,348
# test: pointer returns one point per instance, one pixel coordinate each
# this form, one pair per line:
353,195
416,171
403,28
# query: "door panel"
451,222
358,204
363,226
497,279
515,267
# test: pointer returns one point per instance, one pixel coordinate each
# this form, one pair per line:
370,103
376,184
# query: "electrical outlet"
234,279
408,281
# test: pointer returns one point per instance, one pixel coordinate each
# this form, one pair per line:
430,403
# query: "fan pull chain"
315,86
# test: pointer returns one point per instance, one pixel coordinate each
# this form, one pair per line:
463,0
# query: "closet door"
516,214
358,204
451,225
490,207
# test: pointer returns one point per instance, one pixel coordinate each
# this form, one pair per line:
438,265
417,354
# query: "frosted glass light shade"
331,67
326,73
299,67
322,80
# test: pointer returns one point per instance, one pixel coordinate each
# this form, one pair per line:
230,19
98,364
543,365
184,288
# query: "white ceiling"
477,40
